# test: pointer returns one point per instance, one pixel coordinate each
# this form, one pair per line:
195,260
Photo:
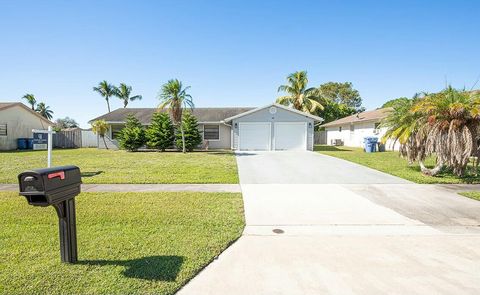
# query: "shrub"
191,133
160,134
132,136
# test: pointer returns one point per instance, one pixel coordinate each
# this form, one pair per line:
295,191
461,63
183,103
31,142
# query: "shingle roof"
144,115
375,115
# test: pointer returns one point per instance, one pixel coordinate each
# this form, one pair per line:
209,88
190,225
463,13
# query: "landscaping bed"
108,166
128,243
390,162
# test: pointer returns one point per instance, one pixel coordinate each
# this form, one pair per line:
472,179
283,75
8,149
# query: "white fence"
89,139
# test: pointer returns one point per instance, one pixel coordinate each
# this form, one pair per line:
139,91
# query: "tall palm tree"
106,90
44,111
30,98
298,95
123,92
175,97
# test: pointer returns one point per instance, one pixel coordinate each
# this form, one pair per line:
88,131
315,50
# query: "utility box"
56,187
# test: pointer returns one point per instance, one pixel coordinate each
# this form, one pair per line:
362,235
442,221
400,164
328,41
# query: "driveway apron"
320,225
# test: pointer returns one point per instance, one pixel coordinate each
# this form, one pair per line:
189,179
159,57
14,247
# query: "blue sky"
232,53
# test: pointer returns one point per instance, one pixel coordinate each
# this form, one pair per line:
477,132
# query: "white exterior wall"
355,138
20,123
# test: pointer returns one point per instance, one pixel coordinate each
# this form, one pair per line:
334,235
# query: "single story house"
17,121
272,127
351,130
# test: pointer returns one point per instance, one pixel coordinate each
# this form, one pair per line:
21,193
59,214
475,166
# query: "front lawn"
472,195
108,166
391,163
128,243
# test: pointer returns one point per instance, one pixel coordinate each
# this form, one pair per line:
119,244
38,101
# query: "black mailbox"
56,187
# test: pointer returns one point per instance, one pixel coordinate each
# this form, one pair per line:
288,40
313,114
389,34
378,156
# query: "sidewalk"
232,188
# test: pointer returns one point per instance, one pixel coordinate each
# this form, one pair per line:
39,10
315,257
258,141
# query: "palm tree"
106,90
452,123
30,98
123,92
100,127
445,124
298,95
44,111
176,97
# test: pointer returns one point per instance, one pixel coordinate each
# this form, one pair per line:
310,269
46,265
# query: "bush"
193,138
132,136
160,134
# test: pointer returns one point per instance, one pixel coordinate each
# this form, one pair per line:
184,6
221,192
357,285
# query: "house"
351,130
17,121
272,127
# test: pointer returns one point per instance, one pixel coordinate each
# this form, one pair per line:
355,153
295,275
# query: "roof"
375,115
144,115
7,105
316,118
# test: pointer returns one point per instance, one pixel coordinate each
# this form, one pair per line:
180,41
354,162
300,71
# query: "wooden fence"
75,138
320,137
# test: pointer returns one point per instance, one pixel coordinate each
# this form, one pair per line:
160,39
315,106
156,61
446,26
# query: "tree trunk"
104,142
108,105
183,139
430,172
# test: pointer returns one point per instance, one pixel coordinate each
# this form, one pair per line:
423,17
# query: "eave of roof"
7,105
316,118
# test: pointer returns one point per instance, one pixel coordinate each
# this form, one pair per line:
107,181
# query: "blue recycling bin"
370,144
30,143
22,143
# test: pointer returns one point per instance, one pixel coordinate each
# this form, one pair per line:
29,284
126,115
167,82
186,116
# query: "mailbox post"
57,187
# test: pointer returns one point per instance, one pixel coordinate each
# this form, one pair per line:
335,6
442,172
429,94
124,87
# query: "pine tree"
192,135
132,136
160,134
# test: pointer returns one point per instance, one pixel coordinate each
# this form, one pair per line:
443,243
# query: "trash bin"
22,143
30,143
370,144
381,147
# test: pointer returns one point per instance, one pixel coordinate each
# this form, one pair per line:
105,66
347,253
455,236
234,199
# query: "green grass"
391,163
108,166
472,195
140,243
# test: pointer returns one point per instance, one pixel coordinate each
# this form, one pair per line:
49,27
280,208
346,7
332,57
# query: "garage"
272,128
290,136
255,136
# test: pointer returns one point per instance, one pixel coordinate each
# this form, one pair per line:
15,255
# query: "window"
3,129
340,129
116,131
211,132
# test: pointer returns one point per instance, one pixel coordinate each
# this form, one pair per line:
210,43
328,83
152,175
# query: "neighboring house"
17,121
272,127
351,130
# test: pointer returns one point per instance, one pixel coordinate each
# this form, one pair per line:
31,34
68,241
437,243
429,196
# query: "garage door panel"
255,136
290,136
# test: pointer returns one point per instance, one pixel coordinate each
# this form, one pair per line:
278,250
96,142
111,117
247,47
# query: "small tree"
100,128
132,135
160,133
190,132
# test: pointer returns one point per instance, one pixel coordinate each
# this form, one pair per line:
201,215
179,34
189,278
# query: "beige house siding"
20,123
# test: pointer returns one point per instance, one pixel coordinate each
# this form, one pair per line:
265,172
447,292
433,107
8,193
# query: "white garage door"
254,136
290,136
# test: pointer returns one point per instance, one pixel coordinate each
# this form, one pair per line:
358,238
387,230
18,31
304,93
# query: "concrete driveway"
305,167
368,233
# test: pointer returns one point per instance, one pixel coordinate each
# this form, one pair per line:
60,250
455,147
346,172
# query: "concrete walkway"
235,188
384,237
